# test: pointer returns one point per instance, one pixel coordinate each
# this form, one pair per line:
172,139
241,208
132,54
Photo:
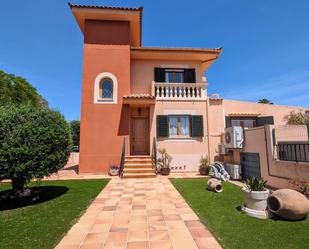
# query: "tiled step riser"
142,170
138,167
133,166
138,176
138,161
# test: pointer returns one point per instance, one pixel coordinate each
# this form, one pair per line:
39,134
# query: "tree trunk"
18,184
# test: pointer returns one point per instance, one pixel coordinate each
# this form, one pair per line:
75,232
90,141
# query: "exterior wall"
276,172
186,153
142,72
103,125
218,109
96,32
278,111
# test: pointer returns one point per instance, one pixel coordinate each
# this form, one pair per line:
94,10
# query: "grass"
43,224
220,212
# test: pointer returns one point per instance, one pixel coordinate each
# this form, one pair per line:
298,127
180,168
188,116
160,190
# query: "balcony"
179,91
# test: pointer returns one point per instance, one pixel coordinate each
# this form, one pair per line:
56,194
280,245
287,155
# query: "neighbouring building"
137,94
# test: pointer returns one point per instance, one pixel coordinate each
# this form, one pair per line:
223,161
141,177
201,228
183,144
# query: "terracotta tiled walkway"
138,214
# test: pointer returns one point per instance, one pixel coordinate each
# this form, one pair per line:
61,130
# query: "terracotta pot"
114,172
204,171
288,204
256,200
214,185
165,171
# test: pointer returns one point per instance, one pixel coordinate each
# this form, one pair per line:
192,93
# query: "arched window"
105,89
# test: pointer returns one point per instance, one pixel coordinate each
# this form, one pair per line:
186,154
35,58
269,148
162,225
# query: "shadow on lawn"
45,193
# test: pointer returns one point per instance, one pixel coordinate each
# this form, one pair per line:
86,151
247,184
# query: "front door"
140,136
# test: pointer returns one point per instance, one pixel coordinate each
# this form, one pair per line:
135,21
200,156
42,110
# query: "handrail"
123,154
154,154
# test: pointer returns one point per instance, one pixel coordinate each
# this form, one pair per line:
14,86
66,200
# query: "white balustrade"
179,91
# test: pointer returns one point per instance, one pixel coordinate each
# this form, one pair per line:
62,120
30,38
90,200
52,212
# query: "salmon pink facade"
147,95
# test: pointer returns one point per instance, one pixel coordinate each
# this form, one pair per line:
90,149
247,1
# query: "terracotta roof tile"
103,7
243,114
139,96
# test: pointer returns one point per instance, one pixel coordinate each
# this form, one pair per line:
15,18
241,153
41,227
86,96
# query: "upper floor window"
174,75
105,89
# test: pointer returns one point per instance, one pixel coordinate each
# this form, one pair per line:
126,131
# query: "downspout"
208,133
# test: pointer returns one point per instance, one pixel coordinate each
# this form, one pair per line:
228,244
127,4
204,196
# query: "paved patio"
138,214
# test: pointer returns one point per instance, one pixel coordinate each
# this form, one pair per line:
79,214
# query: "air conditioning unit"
222,150
234,170
233,137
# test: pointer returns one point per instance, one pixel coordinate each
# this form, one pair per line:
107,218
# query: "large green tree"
75,128
17,90
34,142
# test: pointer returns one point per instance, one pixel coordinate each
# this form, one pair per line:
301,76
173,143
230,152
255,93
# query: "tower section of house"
108,34
139,95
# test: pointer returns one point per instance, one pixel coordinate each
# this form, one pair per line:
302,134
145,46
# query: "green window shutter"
197,126
189,75
162,126
159,74
228,122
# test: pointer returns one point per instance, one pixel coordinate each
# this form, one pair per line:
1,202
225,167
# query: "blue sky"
265,45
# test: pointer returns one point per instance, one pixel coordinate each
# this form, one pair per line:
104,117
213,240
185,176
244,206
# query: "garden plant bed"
220,212
42,224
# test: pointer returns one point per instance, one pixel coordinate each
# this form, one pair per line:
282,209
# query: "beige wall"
186,153
276,172
278,111
142,72
218,109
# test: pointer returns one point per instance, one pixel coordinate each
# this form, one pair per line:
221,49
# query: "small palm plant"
255,184
204,165
164,161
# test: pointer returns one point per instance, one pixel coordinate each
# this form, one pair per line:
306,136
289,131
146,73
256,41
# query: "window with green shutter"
162,126
197,126
180,126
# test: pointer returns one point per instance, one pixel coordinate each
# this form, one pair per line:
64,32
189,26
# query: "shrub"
165,159
297,118
34,143
256,184
204,162
301,186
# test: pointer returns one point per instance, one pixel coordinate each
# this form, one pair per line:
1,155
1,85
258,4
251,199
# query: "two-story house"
134,94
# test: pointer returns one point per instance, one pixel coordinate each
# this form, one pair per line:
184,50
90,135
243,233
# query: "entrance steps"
138,167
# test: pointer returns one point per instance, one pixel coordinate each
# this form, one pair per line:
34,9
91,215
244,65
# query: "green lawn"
42,225
233,229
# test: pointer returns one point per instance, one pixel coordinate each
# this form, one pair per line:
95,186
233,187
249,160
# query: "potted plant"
204,165
114,170
255,193
164,162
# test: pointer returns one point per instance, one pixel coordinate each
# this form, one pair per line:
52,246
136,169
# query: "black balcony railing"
297,152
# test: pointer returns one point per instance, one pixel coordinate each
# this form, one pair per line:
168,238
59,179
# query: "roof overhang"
203,55
139,100
244,114
90,12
